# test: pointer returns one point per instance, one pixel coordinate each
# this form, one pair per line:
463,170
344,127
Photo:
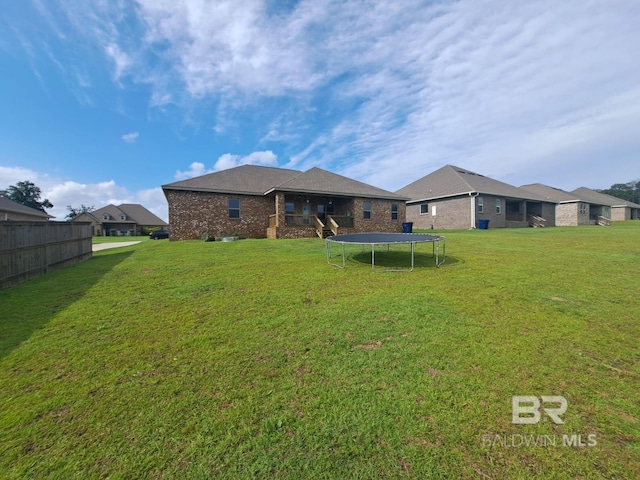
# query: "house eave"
429,199
477,193
335,194
210,190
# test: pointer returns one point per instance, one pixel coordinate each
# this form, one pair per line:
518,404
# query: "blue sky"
104,101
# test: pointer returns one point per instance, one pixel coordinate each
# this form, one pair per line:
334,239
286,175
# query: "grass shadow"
29,306
401,259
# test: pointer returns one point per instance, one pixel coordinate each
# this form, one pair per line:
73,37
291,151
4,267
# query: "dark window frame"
366,212
234,212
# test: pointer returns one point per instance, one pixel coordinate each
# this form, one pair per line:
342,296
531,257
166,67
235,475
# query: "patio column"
280,209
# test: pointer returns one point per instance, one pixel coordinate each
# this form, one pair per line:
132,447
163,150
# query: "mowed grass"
124,238
256,359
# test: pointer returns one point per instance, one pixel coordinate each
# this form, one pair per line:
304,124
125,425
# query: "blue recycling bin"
483,224
407,227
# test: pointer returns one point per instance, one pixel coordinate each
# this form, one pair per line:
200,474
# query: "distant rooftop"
450,181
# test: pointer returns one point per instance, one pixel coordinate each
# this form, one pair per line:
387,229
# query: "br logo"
526,408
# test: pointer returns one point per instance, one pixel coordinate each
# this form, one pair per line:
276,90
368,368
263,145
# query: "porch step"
326,232
536,221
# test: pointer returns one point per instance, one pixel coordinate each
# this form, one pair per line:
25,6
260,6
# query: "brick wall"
567,215
193,214
549,213
620,213
453,213
380,220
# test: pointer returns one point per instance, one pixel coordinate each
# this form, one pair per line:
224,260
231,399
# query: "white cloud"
131,137
385,91
62,192
120,59
195,170
228,160
12,175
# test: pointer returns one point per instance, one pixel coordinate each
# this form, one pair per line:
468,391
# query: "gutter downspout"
473,208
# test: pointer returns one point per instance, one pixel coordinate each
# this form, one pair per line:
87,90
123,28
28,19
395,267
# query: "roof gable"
245,179
322,182
597,197
552,194
450,181
140,214
132,213
110,213
8,205
258,180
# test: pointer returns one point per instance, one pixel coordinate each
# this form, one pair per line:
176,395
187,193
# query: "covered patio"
308,215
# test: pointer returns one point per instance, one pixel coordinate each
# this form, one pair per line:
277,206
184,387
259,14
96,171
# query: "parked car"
157,234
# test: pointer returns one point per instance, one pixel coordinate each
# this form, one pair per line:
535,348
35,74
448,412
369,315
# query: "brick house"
125,219
620,209
260,202
455,198
13,211
571,209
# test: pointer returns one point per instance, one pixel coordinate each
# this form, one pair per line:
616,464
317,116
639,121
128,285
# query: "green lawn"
124,238
256,359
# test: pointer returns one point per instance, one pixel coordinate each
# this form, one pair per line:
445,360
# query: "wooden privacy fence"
30,249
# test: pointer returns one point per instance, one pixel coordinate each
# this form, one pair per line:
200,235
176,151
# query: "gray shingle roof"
113,213
141,215
258,180
9,205
245,179
133,213
321,182
552,194
450,181
592,196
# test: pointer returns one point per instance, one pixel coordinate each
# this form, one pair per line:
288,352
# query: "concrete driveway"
96,247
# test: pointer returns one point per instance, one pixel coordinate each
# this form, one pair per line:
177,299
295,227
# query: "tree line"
28,194
629,191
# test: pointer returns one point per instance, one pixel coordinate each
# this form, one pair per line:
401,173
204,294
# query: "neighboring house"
620,209
455,198
571,209
125,219
10,210
260,202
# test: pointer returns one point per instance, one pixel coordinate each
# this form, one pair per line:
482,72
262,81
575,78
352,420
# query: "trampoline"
388,239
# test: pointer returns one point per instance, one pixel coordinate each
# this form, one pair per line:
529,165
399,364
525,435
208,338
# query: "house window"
366,210
234,208
122,217
105,216
583,209
394,211
498,206
513,207
289,208
480,205
424,209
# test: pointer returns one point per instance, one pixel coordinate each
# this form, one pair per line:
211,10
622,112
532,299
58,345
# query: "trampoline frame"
391,239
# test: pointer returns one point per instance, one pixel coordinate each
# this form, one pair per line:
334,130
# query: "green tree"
26,193
74,212
627,191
